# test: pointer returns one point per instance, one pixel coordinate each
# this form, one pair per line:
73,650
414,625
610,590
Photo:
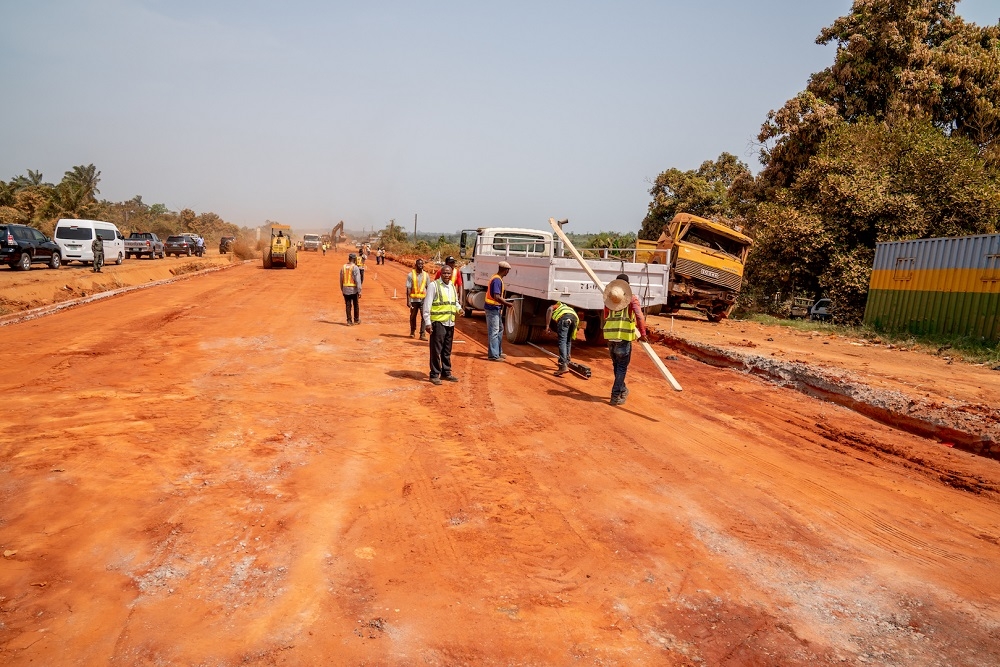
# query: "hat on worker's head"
617,295
449,260
504,265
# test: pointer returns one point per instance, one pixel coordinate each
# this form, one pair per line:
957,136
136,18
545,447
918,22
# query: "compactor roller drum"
267,258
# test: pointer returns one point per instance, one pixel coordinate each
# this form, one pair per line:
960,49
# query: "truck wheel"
55,261
468,312
291,258
593,331
517,331
24,261
119,260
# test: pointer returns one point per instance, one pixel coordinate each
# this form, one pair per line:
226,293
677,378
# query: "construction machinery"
338,231
706,261
281,250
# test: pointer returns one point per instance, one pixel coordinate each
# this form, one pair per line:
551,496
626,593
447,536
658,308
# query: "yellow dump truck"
707,260
280,250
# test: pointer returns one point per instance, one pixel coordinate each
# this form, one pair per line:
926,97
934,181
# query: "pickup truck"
144,243
543,273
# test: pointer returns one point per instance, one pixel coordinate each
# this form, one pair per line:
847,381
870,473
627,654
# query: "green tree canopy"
709,191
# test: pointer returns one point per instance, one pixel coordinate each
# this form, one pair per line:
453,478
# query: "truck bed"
563,279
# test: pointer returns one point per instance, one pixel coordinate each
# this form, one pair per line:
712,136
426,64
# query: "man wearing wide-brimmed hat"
495,303
623,323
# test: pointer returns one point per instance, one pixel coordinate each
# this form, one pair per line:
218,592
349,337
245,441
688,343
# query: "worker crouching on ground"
623,323
495,303
440,309
416,290
565,321
350,285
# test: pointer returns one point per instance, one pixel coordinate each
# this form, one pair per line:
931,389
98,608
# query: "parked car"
75,236
21,246
183,244
822,310
144,243
226,244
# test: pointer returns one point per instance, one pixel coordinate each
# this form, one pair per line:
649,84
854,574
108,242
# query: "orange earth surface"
219,471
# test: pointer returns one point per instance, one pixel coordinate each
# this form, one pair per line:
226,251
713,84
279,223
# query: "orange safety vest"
348,276
490,301
418,290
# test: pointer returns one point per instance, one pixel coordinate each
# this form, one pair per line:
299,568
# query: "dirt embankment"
30,293
928,395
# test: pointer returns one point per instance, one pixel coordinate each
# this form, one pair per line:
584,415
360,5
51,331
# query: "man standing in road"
97,247
623,323
565,321
495,303
200,246
350,285
360,259
439,311
416,290
456,279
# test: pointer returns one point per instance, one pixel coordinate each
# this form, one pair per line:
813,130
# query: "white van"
75,236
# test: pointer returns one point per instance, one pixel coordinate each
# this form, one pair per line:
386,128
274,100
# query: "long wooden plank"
600,285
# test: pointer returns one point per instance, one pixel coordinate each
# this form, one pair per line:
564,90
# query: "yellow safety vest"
348,276
418,290
361,262
489,300
562,309
444,308
620,325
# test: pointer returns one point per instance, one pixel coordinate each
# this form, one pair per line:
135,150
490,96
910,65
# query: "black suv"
226,244
20,246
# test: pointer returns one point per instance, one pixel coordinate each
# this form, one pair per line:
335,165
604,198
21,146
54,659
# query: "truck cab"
707,265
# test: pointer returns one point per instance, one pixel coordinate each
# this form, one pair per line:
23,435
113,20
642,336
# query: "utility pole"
414,229
392,223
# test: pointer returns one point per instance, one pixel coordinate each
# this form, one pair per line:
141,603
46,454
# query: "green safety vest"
444,308
562,309
620,325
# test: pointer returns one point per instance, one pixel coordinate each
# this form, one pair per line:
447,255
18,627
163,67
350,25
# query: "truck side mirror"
463,245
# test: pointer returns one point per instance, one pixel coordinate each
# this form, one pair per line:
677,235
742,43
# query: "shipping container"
937,286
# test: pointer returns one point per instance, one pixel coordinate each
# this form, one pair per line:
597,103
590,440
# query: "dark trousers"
441,340
415,317
362,272
348,300
564,326
621,355
98,262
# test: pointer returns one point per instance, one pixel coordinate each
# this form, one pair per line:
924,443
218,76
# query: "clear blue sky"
467,113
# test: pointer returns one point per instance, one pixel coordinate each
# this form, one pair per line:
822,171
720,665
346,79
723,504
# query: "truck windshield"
709,239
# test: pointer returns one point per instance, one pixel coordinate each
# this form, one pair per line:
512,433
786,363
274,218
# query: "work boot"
357,321
436,381
562,370
451,378
413,334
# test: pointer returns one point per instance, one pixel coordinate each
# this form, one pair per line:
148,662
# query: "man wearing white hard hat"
623,323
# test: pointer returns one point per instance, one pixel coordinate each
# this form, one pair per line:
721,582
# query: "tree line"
29,200
898,139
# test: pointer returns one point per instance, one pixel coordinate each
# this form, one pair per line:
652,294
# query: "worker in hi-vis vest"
623,323
350,285
440,309
564,320
416,290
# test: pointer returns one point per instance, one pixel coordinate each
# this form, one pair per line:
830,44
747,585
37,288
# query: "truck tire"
517,331
267,258
593,331
291,258
119,260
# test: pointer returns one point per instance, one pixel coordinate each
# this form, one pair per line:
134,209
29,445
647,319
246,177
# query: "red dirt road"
226,474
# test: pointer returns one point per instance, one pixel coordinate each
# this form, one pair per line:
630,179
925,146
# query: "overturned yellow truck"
706,264
280,251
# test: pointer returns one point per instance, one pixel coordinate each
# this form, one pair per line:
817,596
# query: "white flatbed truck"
542,273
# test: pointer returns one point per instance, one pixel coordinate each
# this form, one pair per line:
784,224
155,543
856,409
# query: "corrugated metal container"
944,285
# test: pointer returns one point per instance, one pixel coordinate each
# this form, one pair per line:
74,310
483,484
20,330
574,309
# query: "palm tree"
85,179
